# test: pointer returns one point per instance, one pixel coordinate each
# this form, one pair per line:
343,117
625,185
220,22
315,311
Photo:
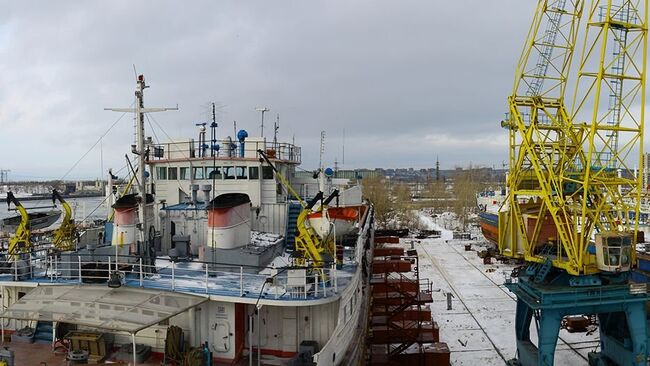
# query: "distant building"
96,186
347,174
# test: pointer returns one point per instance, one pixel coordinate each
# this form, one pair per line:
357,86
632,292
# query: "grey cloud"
389,73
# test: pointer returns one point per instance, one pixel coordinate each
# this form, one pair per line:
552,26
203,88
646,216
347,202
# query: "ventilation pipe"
206,188
231,146
241,136
195,189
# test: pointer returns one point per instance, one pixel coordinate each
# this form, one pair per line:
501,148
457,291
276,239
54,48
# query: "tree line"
395,205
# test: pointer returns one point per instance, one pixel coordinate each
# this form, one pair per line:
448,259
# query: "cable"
153,131
93,211
173,344
166,135
93,146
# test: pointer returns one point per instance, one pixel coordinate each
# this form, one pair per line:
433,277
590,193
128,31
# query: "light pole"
263,110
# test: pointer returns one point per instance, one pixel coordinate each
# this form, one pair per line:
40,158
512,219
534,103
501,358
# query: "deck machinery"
572,182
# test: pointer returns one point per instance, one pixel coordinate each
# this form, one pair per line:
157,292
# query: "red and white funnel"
229,221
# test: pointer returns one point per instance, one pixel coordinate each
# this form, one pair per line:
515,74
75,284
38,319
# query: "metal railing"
182,276
227,150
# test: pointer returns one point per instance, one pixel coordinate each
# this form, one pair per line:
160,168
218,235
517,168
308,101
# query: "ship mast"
140,148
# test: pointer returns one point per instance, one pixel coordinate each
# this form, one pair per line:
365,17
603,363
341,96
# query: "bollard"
449,296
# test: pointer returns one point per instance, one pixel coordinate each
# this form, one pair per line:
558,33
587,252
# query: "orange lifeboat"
343,219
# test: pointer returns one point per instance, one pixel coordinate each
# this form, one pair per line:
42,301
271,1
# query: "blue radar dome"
241,135
329,172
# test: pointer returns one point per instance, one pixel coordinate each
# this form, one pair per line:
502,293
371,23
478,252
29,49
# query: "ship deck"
194,277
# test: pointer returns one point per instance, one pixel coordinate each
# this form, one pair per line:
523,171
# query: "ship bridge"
224,149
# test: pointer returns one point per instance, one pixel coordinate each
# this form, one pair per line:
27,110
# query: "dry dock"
480,327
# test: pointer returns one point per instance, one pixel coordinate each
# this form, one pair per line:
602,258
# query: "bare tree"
467,183
404,215
377,191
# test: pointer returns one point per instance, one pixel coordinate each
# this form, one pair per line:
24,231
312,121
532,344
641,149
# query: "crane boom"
64,238
21,241
572,175
573,202
544,144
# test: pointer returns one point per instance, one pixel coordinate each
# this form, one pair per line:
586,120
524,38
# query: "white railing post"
336,282
50,265
79,257
141,274
108,273
16,270
325,285
241,281
56,269
173,275
206,278
316,284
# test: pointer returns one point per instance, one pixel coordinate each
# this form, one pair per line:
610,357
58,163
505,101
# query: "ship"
488,203
210,242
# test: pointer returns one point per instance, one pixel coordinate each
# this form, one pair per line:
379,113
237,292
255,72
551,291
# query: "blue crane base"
621,313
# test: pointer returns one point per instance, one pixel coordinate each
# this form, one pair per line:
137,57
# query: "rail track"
591,344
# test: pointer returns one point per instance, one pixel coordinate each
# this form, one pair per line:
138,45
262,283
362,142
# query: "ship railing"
227,149
426,285
510,277
20,268
197,277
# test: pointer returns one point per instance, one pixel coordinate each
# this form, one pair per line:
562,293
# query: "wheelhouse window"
213,172
197,173
253,172
161,173
229,172
184,174
267,172
172,173
241,171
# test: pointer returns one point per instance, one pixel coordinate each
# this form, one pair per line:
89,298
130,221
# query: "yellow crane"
573,192
572,174
21,241
64,238
309,245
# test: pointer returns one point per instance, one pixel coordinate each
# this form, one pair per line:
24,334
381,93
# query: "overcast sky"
406,80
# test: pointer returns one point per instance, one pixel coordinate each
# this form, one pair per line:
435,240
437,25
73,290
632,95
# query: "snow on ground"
480,327
432,224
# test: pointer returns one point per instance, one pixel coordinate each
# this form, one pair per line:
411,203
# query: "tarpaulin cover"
125,309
